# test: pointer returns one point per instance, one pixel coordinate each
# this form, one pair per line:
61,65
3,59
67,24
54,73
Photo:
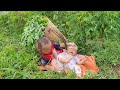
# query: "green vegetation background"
95,32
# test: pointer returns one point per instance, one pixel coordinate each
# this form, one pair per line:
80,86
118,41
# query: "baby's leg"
78,71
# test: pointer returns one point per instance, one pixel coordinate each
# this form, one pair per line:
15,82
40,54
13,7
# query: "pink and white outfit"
72,64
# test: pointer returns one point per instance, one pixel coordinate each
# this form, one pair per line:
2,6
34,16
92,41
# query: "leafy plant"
33,30
95,32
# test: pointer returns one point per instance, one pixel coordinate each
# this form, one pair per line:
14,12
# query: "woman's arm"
55,54
64,59
60,57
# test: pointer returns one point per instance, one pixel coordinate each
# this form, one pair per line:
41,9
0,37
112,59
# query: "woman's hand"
82,59
81,62
55,53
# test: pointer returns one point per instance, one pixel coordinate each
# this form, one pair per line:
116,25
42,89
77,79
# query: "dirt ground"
116,69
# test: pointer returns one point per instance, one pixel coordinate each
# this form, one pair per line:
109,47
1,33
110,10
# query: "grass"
19,62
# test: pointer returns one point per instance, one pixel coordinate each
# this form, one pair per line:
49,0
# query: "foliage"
95,32
33,30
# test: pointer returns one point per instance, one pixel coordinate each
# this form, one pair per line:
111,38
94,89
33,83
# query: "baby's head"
44,45
72,50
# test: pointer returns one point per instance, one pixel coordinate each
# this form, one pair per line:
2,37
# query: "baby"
68,59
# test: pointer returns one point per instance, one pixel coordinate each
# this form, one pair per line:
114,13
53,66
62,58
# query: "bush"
33,30
95,33
109,55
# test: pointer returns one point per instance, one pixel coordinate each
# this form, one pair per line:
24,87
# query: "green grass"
18,62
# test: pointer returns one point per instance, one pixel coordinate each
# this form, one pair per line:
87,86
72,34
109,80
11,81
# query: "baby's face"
46,48
72,51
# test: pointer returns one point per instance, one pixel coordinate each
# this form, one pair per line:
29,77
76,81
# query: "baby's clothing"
70,65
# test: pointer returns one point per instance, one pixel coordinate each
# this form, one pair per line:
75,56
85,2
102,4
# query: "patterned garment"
70,65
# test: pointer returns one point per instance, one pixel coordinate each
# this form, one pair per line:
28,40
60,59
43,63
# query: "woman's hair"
76,48
43,40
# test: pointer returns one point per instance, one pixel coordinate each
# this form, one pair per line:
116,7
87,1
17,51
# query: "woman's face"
72,51
46,48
